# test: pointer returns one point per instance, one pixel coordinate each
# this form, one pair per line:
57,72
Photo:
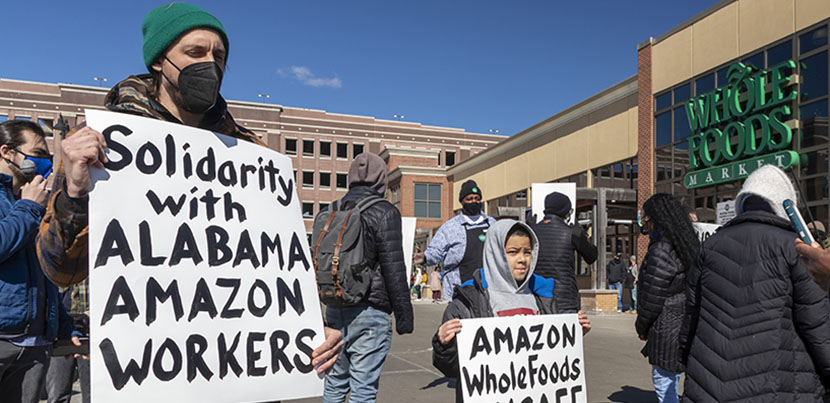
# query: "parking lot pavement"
615,369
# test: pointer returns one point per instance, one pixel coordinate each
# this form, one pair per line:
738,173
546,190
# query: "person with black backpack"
358,257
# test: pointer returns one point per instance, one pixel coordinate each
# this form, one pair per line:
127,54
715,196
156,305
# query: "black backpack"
343,274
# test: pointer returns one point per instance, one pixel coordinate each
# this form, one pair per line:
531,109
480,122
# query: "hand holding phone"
798,221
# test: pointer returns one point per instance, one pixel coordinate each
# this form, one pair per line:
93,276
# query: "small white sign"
704,230
201,285
408,232
725,212
541,190
527,359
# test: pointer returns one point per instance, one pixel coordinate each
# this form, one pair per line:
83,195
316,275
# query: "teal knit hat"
163,25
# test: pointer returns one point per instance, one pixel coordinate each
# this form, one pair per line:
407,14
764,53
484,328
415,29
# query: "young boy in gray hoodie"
505,286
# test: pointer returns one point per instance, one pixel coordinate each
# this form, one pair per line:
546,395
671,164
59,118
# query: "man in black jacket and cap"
367,327
615,273
557,243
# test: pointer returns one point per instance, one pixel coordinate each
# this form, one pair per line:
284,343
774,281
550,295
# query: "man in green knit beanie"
185,52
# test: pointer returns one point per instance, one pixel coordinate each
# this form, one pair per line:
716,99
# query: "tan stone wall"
730,32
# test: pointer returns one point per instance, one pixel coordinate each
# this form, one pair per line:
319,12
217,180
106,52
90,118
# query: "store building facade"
743,83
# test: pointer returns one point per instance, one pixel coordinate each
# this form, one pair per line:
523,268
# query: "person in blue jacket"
31,317
459,243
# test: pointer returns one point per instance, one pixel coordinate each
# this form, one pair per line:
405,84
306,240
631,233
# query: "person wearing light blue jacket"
459,243
31,318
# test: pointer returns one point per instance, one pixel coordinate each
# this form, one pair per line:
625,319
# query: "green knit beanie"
163,25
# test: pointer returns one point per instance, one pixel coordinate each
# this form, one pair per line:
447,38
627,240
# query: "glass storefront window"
812,40
816,162
780,53
682,93
662,101
814,123
663,129
814,77
722,76
705,84
755,60
681,124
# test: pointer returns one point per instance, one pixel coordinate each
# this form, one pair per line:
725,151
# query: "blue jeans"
665,384
634,298
368,335
618,287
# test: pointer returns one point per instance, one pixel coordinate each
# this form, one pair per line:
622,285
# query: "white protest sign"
704,230
522,359
725,212
408,232
201,285
541,190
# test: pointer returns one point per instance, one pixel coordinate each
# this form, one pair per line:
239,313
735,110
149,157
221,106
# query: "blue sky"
477,65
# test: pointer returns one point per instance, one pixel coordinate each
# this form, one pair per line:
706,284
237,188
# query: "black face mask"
199,85
471,209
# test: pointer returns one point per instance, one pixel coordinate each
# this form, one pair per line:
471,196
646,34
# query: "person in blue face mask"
31,319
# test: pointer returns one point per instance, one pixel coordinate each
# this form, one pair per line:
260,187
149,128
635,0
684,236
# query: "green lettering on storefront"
741,125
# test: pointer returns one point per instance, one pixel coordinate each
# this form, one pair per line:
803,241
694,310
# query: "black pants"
61,375
22,371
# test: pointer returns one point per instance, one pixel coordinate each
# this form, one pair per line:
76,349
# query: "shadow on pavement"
632,394
449,381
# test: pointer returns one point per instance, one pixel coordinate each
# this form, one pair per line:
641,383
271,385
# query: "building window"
449,158
812,40
23,117
342,181
342,150
291,146
325,179
322,206
308,148
663,129
522,195
308,210
325,148
308,179
427,200
357,149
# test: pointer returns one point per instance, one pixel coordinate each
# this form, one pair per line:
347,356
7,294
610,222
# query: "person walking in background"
459,242
672,247
633,272
756,328
416,283
615,273
435,285
367,326
558,244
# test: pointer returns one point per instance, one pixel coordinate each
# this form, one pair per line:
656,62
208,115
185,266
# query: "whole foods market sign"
741,126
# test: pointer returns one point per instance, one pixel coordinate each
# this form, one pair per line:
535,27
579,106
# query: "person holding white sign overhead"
185,52
504,286
459,242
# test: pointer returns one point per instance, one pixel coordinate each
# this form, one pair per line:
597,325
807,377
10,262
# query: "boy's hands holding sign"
448,329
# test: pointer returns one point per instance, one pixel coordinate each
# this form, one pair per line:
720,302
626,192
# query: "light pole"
100,80
263,97
399,117
494,131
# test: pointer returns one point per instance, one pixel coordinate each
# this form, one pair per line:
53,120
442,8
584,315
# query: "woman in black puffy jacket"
661,294
757,328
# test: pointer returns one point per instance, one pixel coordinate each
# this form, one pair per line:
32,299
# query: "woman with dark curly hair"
661,293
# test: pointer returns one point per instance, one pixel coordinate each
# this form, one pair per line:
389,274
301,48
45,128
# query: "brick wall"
645,136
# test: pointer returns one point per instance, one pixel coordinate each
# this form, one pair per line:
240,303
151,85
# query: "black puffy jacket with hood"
382,242
757,328
660,303
558,243
472,298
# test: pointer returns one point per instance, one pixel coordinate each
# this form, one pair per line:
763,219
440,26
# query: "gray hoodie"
505,294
